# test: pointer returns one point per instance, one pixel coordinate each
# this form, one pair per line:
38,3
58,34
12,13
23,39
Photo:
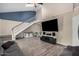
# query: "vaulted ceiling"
12,7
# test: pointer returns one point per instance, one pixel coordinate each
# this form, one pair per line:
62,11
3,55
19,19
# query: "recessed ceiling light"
29,5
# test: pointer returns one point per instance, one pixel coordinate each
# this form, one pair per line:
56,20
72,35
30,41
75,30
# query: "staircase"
21,27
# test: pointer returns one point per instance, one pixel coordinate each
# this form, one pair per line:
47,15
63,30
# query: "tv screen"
51,25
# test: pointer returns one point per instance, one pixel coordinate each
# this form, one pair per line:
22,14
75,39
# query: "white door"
75,31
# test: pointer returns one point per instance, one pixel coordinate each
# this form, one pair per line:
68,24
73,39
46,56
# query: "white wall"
6,26
66,30
75,23
53,9
34,28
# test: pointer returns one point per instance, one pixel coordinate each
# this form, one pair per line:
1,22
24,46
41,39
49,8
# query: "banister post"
13,36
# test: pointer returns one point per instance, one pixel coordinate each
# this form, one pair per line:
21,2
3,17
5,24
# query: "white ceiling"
10,7
57,7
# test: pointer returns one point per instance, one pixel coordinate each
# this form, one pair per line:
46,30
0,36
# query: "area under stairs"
21,27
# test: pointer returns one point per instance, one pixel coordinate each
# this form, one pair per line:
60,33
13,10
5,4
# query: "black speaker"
48,39
44,33
53,34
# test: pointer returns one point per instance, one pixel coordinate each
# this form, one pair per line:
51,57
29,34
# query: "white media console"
39,34
47,36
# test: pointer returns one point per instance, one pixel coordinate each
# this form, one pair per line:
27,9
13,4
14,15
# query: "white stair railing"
21,27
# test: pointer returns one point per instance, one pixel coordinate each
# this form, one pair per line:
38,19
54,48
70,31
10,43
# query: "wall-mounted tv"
51,25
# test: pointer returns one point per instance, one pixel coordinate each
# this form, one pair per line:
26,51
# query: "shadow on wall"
18,16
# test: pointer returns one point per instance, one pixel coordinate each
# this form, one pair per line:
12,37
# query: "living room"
27,33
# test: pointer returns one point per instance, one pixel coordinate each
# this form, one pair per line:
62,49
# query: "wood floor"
36,47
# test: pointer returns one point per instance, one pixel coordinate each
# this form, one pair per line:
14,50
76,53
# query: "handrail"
21,23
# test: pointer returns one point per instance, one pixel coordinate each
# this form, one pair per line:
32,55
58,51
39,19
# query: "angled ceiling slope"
12,7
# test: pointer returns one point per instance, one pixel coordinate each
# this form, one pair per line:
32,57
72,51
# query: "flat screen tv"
51,25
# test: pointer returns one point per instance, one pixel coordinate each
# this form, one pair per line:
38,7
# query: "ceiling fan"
36,5
33,4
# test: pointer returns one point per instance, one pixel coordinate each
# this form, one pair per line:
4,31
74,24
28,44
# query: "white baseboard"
64,44
5,35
